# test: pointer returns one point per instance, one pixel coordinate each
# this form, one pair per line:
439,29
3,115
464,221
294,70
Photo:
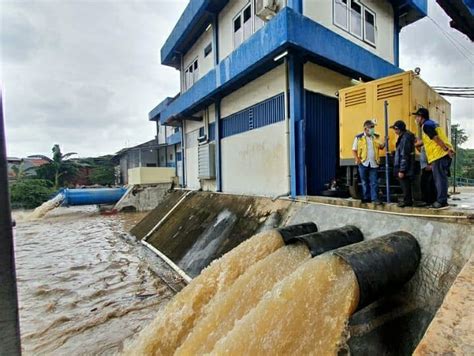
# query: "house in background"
164,151
258,107
25,165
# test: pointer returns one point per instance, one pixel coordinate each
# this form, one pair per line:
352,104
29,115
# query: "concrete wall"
255,162
226,19
143,198
321,11
205,64
260,153
264,87
147,175
325,81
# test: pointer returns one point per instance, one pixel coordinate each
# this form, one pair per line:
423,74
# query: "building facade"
258,106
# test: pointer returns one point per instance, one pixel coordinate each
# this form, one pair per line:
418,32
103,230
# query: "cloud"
85,74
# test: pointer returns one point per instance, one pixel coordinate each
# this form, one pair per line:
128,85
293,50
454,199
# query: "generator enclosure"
405,93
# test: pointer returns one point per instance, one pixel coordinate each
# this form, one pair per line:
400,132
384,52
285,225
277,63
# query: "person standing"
428,189
404,161
366,154
439,152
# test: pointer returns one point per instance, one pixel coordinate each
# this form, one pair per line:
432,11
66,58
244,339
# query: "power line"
451,40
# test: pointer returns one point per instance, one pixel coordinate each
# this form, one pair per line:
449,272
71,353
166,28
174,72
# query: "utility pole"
455,155
9,322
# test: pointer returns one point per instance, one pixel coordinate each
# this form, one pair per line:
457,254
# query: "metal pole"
387,175
455,160
9,322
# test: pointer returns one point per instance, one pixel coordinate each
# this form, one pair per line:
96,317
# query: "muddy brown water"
84,284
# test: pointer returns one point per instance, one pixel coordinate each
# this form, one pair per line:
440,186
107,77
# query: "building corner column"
297,126
217,127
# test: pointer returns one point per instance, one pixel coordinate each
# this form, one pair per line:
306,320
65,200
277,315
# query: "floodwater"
84,283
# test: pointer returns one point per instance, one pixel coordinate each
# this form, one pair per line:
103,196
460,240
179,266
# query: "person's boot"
438,206
403,204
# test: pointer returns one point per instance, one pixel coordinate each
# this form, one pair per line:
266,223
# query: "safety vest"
362,151
432,149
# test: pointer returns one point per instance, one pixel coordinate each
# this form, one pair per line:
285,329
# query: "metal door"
322,140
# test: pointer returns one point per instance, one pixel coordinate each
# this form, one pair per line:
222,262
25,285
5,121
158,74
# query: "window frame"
347,16
240,16
362,12
208,50
348,30
369,10
190,73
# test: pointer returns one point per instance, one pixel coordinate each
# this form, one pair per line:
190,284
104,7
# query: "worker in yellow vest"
439,153
365,149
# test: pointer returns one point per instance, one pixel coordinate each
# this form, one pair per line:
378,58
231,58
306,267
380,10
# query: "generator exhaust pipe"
382,265
320,242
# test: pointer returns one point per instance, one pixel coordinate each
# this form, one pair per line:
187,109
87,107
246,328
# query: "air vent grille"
390,89
355,97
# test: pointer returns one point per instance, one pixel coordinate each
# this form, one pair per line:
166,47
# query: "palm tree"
59,168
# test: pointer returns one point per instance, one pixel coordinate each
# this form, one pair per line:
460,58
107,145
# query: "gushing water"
230,306
46,207
166,333
304,314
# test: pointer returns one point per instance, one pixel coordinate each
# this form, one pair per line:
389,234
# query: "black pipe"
9,322
320,242
289,232
382,265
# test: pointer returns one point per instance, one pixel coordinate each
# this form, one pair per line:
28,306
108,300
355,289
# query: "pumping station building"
258,108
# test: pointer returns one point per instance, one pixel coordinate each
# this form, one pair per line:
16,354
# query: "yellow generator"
405,93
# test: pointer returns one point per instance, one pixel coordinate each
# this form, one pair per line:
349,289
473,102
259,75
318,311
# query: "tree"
30,193
20,171
104,175
60,169
458,135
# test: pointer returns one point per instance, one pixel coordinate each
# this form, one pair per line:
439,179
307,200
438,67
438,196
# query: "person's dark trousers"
370,185
428,188
440,175
406,184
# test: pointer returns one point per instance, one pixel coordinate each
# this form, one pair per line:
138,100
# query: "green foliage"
102,175
30,193
458,135
59,170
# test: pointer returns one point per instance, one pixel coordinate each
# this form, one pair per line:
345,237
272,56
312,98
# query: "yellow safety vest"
432,149
362,151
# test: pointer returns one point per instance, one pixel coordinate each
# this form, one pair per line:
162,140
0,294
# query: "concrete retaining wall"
143,197
391,326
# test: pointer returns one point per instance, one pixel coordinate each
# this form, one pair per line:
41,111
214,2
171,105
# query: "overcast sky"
85,74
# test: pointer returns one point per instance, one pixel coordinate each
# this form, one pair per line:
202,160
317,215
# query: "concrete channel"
206,225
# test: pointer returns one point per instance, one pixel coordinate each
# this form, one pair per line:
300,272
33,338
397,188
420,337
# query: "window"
207,50
201,131
191,74
243,25
369,26
340,13
353,17
356,19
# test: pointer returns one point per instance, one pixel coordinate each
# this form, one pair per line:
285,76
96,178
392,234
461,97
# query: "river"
85,285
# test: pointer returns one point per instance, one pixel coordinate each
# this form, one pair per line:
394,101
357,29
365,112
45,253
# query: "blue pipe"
92,196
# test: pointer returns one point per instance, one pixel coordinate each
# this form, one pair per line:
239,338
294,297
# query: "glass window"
340,13
247,14
238,32
369,26
356,19
207,50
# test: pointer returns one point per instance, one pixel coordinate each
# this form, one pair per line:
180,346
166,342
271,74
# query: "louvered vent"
355,97
390,89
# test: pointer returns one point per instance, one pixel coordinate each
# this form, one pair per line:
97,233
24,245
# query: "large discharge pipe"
91,196
382,265
320,242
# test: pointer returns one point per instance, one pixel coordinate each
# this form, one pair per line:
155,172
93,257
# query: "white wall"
325,81
321,11
205,64
226,22
255,163
264,87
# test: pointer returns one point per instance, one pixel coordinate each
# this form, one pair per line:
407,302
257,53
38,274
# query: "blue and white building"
258,109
